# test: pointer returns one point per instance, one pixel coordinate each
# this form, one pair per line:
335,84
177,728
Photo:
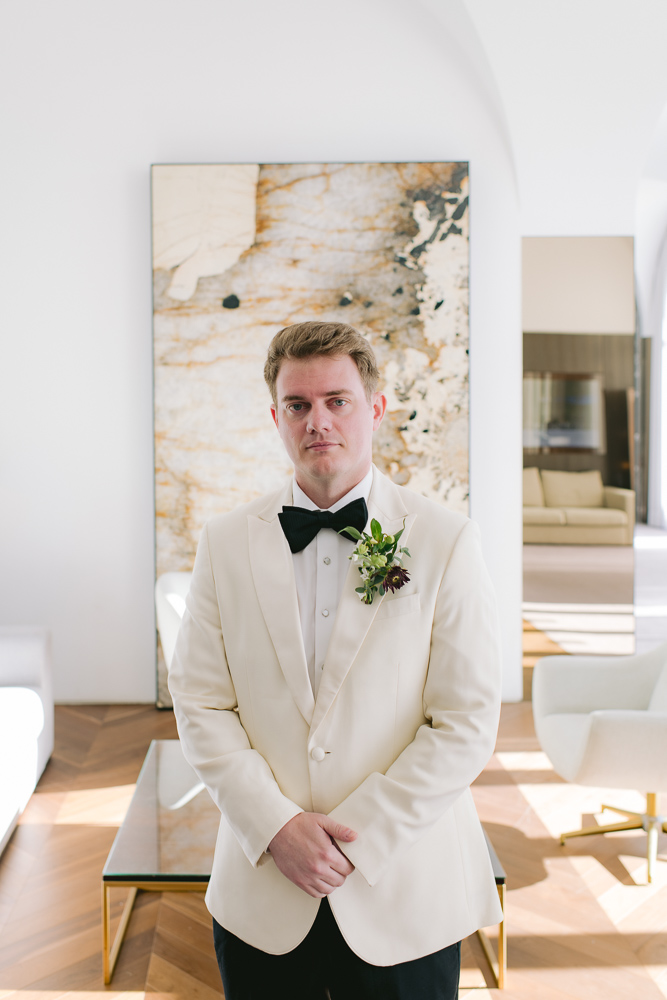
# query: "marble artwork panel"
240,251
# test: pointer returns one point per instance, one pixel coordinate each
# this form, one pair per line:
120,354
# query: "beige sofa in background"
575,508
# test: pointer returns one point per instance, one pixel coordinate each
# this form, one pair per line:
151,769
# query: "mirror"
580,461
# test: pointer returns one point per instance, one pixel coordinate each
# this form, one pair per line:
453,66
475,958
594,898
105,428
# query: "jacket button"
317,753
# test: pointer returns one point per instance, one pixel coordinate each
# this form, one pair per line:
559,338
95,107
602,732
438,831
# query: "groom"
339,738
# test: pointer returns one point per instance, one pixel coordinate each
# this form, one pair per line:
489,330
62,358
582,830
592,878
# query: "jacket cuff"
362,859
257,850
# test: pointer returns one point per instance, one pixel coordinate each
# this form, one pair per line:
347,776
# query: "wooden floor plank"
168,978
191,924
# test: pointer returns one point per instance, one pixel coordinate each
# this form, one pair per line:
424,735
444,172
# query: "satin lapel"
353,618
273,575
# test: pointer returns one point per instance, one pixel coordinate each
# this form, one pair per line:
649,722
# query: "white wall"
94,93
578,284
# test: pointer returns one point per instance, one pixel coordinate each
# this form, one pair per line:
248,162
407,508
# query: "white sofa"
26,719
575,508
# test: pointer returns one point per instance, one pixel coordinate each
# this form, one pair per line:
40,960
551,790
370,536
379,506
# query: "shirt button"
326,560
317,753
325,613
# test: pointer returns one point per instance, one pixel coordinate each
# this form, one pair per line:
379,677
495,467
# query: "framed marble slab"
241,250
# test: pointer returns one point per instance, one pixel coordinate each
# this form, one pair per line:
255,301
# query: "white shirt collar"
362,489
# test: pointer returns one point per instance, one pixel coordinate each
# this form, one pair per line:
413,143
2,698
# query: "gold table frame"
497,963
111,950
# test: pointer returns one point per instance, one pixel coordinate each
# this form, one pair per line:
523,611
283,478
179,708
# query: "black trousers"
323,961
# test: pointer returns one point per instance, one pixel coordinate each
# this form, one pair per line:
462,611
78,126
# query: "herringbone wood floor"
579,926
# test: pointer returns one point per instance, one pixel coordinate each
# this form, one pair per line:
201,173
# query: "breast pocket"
394,606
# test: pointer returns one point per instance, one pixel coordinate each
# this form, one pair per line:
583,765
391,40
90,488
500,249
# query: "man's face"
326,423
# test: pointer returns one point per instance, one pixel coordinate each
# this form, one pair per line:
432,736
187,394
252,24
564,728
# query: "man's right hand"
305,853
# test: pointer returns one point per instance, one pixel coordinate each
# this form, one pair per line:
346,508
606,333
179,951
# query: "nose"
319,418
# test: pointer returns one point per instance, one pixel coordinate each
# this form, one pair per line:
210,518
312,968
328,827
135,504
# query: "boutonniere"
379,561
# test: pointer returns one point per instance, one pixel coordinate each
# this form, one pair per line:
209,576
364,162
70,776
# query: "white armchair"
171,590
602,721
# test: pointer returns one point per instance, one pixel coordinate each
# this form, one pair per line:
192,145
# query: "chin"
324,464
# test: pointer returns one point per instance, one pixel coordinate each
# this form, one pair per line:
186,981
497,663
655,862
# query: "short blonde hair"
306,340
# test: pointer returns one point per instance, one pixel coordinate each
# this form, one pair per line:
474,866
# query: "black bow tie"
301,525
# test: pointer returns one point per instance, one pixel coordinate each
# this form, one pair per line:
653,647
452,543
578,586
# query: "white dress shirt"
320,570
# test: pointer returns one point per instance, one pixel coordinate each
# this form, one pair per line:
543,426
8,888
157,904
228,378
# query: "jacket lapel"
354,618
273,575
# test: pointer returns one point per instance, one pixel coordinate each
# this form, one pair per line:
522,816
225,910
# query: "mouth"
321,446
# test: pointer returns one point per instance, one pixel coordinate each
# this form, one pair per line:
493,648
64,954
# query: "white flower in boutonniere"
379,561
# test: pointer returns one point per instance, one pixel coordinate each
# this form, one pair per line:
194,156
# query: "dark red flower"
396,578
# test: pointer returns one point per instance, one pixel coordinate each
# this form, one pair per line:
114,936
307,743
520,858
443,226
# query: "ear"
379,408
274,415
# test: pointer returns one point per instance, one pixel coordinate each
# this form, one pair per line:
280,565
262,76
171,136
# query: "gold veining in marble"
382,246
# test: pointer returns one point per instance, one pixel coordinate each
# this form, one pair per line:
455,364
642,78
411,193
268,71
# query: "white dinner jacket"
405,719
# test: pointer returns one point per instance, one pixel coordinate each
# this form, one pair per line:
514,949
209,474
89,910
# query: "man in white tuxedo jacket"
339,739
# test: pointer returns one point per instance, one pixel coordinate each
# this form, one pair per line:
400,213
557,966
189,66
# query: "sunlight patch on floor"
96,806
561,805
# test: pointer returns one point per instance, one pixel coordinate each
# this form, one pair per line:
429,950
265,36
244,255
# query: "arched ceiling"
583,86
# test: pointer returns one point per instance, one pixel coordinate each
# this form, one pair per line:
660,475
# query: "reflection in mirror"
562,412
579,447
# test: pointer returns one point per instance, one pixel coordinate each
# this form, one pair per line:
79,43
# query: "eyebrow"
334,392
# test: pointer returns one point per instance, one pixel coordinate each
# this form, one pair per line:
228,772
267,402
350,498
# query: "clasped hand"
305,853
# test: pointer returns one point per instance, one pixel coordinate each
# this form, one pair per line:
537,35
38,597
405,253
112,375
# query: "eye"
339,402
295,407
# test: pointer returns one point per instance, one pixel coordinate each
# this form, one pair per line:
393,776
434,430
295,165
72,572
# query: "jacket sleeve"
461,704
214,742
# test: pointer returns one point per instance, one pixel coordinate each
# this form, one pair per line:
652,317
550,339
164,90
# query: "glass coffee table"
165,842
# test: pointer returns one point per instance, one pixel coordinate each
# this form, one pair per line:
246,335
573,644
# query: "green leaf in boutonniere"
379,561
